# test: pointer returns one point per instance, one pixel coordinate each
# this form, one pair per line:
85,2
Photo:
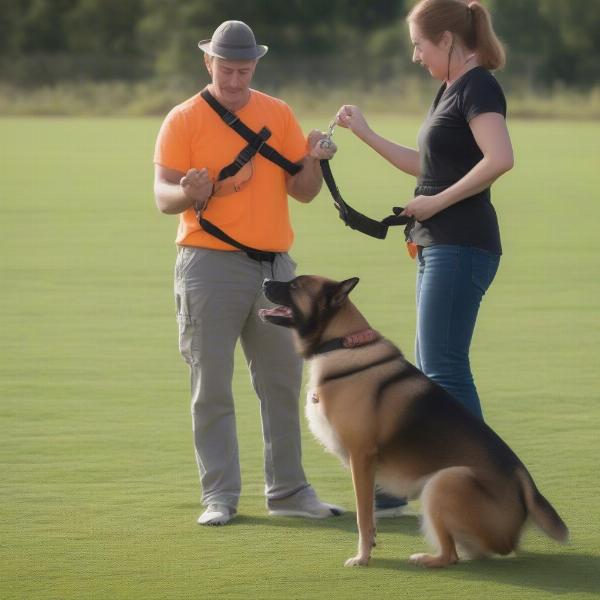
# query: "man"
234,231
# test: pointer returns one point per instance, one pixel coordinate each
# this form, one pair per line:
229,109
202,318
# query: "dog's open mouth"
280,315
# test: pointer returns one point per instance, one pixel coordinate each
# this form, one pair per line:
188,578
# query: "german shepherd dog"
393,425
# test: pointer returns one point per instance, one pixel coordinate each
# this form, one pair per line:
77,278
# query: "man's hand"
320,146
197,186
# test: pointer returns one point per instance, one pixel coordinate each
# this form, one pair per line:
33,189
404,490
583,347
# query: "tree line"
42,42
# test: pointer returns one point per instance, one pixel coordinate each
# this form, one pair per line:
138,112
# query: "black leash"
355,220
352,218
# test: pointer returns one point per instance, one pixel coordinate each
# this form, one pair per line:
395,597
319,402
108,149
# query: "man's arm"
306,184
174,191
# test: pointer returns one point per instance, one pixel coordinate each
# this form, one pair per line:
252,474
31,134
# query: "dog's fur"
392,424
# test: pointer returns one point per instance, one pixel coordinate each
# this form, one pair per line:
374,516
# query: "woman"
463,147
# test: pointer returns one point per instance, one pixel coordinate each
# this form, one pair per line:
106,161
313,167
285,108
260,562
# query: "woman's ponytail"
487,45
468,19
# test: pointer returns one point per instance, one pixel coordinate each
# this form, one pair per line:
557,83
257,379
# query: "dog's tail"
540,510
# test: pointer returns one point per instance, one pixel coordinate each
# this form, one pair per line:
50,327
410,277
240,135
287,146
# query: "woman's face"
433,57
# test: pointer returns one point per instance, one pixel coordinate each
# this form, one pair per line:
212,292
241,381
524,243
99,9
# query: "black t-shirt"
448,152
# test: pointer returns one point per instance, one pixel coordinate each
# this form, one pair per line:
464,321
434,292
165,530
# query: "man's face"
231,78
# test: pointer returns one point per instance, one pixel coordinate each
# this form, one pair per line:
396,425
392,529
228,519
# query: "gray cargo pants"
218,295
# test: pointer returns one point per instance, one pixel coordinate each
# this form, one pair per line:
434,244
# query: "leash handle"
352,218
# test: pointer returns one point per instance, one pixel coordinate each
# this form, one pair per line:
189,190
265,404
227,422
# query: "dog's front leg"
363,477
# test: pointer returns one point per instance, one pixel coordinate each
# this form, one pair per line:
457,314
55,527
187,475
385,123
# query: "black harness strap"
253,253
355,220
245,155
256,144
233,121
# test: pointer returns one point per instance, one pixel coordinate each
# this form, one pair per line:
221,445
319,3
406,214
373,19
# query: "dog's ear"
342,290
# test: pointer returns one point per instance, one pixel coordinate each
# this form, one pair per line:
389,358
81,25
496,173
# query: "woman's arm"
491,134
403,158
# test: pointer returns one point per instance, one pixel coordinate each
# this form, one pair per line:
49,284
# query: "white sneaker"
304,503
216,514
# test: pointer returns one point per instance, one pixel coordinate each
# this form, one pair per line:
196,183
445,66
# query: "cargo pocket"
187,331
284,268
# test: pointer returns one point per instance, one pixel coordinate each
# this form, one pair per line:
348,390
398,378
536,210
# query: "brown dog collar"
352,340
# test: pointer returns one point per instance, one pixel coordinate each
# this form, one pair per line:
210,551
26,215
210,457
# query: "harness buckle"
230,118
243,157
255,145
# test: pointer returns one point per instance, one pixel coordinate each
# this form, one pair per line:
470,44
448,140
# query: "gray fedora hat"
233,40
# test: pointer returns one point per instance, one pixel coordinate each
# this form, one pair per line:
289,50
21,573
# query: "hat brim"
233,53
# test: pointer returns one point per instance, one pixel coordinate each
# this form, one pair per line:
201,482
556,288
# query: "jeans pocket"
484,266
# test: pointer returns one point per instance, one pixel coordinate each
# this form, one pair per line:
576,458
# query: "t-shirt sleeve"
172,149
482,95
294,144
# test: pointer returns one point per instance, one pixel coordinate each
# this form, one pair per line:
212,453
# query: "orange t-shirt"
194,136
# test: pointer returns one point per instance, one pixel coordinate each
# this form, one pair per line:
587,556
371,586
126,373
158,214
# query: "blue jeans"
451,281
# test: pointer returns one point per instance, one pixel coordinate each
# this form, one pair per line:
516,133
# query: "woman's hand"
422,207
351,118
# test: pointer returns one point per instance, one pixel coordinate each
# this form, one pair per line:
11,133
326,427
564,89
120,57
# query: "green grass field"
99,489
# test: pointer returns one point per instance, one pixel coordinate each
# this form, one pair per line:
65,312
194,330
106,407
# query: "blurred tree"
364,41
292,28
33,25
551,40
103,26
574,58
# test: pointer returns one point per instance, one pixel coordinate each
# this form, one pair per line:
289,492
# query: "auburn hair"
468,20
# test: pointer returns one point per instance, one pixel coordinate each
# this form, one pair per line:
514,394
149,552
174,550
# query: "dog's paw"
418,559
431,562
357,561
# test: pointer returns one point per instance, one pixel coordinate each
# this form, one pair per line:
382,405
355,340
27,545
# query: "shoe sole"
216,521
333,512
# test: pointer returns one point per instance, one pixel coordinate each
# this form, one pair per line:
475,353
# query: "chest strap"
245,154
255,140
256,144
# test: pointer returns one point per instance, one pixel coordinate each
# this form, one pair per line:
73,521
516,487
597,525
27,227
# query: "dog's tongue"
278,311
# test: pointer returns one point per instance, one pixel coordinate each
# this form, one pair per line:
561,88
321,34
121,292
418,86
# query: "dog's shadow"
556,573
408,525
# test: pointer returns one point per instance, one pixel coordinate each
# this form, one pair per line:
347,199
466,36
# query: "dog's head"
307,304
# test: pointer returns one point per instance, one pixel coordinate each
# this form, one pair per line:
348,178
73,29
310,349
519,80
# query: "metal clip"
326,142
